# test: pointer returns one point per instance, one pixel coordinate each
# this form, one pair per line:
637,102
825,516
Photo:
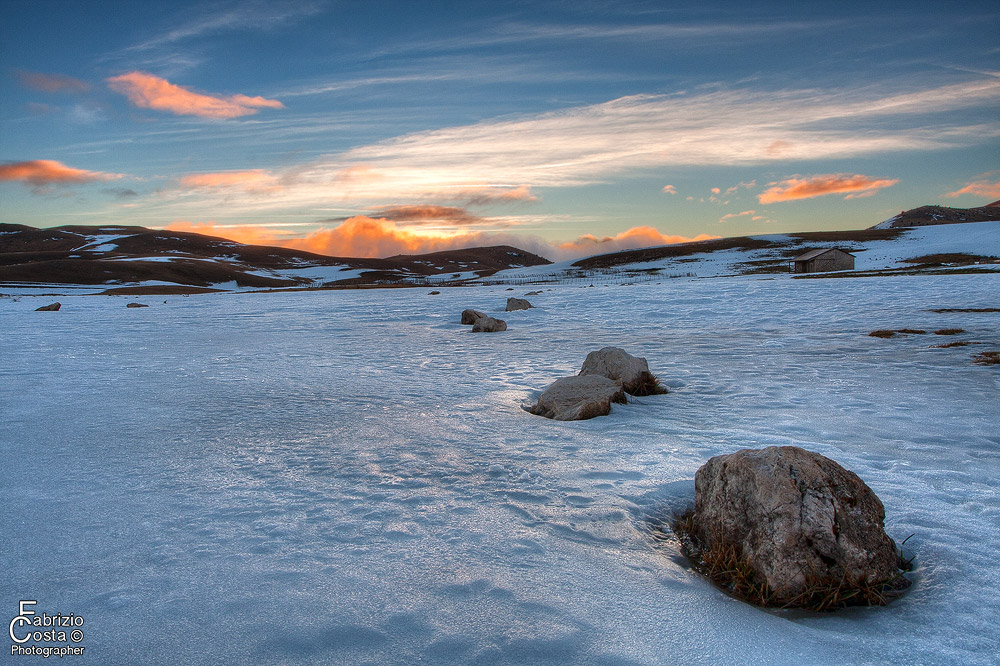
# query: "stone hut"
823,261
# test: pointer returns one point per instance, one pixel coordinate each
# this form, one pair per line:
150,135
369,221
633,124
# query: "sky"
564,128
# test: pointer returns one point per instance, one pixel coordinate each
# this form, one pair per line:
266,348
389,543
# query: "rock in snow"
489,325
470,316
137,305
577,398
796,516
51,307
518,304
630,371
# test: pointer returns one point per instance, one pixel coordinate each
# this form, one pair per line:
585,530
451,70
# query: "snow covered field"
348,476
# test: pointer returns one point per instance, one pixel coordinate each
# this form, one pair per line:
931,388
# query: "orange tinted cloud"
636,237
363,236
40,173
151,92
52,83
979,188
670,189
245,233
817,186
488,195
254,179
428,214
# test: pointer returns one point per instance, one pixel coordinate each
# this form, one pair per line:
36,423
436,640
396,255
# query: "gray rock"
137,305
518,304
51,307
797,518
577,398
489,325
470,316
631,372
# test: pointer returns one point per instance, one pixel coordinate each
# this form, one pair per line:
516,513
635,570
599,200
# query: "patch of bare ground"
957,343
951,259
762,267
987,358
673,251
886,333
852,236
942,310
949,331
159,290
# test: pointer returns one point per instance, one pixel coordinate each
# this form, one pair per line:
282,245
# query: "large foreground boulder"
518,304
489,325
470,316
51,307
577,398
799,521
631,372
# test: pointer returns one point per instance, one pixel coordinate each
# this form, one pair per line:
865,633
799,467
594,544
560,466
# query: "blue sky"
565,128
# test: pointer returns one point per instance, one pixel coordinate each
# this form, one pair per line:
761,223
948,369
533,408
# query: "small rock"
51,307
489,325
631,372
797,518
137,305
533,293
518,304
434,293
578,398
470,316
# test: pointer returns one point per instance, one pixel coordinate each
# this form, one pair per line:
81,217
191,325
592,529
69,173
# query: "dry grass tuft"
957,343
949,331
649,384
886,333
987,358
726,566
882,333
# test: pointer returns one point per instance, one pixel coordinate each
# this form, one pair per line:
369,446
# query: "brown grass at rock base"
727,568
649,384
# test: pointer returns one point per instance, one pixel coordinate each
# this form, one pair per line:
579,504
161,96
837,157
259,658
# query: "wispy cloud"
669,189
854,186
251,180
245,16
152,92
51,83
41,174
982,187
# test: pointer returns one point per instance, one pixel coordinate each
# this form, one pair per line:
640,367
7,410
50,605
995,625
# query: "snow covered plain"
348,476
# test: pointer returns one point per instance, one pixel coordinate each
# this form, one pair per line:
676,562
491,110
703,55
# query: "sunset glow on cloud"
980,188
50,172
253,179
818,186
152,92
363,236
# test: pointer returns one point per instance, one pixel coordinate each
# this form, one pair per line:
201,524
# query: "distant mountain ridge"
122,255
928,215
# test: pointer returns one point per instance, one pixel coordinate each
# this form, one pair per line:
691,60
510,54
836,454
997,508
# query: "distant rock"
797,519
51,307
489,325
533,293
577,398
631,372
470,316
518,304
137,305
433,293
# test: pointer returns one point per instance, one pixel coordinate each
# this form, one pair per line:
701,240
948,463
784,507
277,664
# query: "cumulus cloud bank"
40,174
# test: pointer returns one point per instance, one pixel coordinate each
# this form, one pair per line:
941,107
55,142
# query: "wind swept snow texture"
348,477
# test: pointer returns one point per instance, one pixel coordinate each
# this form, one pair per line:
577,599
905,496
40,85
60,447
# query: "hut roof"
812,254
